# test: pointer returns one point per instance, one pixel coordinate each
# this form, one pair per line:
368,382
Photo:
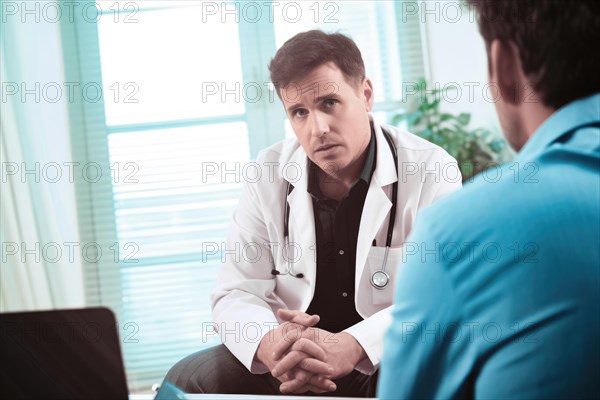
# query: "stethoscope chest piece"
380,279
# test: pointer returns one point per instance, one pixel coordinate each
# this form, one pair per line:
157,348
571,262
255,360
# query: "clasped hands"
305,358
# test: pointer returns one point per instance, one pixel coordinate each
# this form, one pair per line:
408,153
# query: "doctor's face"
330,117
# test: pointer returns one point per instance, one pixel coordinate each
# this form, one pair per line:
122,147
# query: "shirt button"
341,252
344,294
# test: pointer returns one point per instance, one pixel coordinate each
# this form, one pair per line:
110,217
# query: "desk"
242,397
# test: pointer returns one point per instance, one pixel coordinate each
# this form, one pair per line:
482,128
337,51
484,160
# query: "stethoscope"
379,278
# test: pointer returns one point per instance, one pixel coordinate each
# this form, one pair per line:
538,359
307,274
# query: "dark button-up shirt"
336,229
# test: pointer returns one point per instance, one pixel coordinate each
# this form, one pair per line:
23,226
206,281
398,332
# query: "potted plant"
475,150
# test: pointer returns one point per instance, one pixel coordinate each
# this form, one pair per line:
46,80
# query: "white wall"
456,53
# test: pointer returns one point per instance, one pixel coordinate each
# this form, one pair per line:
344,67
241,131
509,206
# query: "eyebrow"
325,97
318,99
293,107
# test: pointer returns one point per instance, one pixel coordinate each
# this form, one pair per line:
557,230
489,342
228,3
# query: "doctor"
305,305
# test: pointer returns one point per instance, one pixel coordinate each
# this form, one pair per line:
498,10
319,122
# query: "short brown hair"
556,41
307,50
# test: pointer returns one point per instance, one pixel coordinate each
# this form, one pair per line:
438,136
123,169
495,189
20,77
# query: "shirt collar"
367,172
578,112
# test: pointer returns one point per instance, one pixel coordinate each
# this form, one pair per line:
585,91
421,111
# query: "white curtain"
36,213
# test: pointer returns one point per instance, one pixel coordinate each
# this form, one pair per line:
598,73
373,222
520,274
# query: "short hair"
307,50
556,41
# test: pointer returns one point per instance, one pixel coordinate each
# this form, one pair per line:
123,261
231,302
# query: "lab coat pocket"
385,294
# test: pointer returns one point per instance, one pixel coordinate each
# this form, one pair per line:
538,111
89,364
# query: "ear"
367,94
506,71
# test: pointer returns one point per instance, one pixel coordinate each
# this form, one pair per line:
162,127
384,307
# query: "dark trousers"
216,370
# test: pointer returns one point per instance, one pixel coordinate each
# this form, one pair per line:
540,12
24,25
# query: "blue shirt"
498,294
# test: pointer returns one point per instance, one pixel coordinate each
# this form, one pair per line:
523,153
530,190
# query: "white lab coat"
248,295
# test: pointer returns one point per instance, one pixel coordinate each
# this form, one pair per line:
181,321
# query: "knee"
187,374
215,370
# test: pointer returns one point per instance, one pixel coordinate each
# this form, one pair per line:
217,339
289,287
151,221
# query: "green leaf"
446,117
415,118
470,147
464,118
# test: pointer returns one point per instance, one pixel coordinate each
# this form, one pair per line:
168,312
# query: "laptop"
61,354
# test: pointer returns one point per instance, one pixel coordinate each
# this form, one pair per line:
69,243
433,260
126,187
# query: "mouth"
325,148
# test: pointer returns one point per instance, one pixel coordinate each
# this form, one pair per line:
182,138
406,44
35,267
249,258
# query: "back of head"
307,50
556,41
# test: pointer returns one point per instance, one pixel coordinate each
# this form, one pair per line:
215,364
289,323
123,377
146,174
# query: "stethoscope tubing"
390,231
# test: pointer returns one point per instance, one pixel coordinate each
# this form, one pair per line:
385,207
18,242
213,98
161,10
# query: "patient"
499,294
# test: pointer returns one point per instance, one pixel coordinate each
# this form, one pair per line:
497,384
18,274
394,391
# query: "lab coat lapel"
302,223
377,204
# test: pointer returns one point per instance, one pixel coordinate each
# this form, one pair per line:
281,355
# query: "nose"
319,124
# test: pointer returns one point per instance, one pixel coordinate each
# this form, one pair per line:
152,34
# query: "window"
186,103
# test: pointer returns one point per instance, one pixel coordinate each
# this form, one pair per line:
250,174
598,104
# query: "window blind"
157,207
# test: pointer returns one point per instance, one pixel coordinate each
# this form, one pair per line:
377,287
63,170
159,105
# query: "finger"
303,346
318,389
303,390
286,377
316,383
310,388
301,378
292,334
287,363
309,347
316,367
303,361
298,317
302,350
304,382
312,334
322,383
